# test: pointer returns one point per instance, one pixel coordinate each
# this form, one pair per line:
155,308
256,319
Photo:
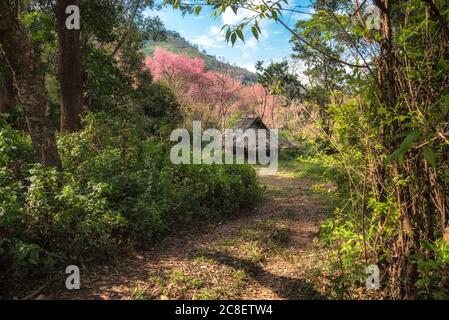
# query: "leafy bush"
433,270
342,235
158,102
118,187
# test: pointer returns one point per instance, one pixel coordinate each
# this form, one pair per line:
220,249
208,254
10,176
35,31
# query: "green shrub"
118,188
433,270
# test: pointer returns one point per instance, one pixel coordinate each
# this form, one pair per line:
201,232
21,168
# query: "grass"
270,234
228,242
210,277
298,166
255,243
179,284
175,284
138,294
302,168
204,260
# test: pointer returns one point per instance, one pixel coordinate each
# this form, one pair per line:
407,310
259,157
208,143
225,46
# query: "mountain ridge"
176,44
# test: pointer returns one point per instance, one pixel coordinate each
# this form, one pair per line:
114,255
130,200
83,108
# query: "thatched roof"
286,144
257,123
246,123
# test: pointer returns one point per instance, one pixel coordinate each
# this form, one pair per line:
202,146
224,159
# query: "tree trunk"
24,62
7,90
70,71
387,77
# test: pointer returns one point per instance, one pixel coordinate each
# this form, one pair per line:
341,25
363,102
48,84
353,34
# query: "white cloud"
251,44
301,16
206,41
248,66
213,31
229,17
214,38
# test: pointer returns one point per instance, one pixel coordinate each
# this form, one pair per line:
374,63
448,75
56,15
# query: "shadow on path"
285,287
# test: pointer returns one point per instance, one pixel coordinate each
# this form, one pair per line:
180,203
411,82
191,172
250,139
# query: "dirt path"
268,254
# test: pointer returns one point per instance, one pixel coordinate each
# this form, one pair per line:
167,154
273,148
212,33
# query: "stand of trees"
211,96
84,57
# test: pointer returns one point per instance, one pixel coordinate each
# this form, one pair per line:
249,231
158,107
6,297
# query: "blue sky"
204,31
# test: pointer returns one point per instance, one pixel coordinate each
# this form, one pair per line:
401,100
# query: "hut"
285,144
257,123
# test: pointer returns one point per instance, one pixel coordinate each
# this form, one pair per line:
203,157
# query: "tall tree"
279,81
70,70
8,95
24,63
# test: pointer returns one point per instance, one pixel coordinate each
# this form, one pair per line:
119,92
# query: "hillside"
177,44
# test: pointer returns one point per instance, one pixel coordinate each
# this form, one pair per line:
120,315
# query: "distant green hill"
178,45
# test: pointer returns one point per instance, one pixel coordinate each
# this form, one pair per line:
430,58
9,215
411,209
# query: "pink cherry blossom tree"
208,95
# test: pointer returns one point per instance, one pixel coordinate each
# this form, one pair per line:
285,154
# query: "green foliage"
159,103
106,85
278,79
118,188
109,82
15,147
222,188
41,25
343,236
433,270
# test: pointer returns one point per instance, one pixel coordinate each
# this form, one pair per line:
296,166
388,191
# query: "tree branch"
437,15
127,31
